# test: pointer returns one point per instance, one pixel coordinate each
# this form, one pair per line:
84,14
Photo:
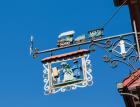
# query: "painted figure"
56,75
77,70
68,74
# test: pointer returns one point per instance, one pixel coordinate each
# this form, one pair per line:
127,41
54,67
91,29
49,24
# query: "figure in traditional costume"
77,70
68,73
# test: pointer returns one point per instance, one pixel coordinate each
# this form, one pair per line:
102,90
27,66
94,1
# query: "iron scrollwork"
118,50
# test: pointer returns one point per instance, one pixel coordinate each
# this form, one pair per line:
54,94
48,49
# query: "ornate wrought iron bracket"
118,49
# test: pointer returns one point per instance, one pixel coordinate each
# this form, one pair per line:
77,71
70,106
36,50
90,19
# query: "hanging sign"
67,71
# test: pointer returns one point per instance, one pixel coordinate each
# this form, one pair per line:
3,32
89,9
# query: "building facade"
130,89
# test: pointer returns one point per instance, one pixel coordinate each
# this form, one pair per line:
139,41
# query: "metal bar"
136,37
49,77
54,49
84,67
132,95
84,43
80,82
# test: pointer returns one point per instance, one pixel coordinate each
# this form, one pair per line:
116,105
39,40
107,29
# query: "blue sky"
21,76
